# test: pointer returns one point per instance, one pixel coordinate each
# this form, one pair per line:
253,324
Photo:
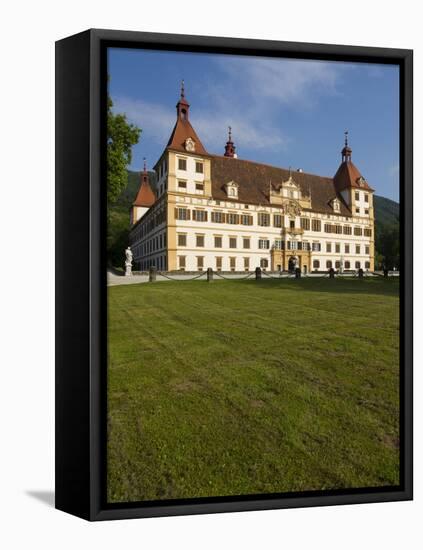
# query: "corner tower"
145,197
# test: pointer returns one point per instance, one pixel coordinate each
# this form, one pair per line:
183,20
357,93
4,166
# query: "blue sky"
282,112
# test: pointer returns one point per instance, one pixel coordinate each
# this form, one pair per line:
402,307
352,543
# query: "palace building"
231,214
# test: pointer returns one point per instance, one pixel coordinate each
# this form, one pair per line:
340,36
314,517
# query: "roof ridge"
231,159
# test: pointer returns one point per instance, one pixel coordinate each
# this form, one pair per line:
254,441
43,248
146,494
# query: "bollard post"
152,274
386,273
331,273
297,273
209,274
258,273
360,273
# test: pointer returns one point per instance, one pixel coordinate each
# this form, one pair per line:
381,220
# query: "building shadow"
46,497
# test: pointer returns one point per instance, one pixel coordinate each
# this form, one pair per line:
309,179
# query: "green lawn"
238,387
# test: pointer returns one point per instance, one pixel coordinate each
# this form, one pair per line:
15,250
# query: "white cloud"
250,95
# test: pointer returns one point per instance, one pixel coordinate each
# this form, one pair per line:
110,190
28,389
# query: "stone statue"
128,261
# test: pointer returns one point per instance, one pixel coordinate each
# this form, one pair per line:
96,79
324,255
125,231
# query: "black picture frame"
81,271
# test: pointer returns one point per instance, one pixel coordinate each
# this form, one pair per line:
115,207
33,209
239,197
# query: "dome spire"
230,147
346,151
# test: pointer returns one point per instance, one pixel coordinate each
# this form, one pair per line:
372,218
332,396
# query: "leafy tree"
121,136
388,246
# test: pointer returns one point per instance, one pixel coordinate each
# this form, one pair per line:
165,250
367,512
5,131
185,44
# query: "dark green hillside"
386,211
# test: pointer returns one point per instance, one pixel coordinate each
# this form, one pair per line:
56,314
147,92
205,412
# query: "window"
329,264
199,239
357,196
219,263
182,239
328,247
263,219
199,215
264,243
367,265
316,225
347,249
181,262
292,245
199,187
358,231
246,242
337,264
367,232
357,265
367,249
199,167
277,220
232,242
347,265
338,229
316,247
182,214
200,263
292,224
366,211
232,263
337,248
232,218
347,230
182,184
218,217
357,249
316,264
328,228
357,210
305,224
182,164
264,263
246,219
218,241
246,264
366,198
306,245
279,244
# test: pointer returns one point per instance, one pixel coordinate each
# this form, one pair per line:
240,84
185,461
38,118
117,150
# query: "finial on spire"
182,88
230,147
346,151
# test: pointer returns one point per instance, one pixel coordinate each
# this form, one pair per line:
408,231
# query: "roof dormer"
231,188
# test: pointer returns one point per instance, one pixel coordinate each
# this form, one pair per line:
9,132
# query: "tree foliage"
387,244
121,136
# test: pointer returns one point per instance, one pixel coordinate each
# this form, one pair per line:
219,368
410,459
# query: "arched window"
337,264
347,265
357,265
316,264
329,264
367,265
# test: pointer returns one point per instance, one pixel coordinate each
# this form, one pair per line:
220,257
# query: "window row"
152,245
263,220
220,263
182,165
151,221
337,264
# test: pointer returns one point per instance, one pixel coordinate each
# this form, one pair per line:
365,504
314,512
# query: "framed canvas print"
234,274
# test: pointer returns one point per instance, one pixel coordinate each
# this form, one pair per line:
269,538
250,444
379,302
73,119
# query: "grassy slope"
242,387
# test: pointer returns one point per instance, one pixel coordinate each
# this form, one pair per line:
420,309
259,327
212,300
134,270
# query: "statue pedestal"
128,270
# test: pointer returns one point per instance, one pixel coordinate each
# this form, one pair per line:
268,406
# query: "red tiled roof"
254,180
181,131
348,175
145,195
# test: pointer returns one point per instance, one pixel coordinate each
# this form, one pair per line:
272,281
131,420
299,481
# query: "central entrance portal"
292,263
